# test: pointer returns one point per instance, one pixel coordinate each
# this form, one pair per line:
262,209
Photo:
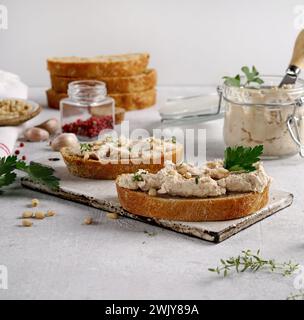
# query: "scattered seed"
17,152
50,213
54,159
88,221
39,215
35,203
27,223
21,145
113,216
27,214
23,158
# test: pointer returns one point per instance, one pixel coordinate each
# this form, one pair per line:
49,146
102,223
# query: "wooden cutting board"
102,195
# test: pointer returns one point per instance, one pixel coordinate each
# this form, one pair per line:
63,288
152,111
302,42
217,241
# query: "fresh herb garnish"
174,140
84,147
138,176
35,171
251,77
242,158
234,82
253,262
299,295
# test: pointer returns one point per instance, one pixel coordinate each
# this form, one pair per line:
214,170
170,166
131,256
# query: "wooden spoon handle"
298,52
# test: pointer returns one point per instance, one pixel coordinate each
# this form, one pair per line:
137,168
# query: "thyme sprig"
296,295
248,261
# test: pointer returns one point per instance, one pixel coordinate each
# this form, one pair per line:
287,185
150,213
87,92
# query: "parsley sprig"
242,158
252,76
35,171
253,262
84,147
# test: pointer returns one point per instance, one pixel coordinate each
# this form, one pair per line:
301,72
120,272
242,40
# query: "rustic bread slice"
127,101
141,82
231,206
94,169
135,100
124,65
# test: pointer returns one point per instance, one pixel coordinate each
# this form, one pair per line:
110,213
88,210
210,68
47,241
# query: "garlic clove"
64,140
36,135
51,126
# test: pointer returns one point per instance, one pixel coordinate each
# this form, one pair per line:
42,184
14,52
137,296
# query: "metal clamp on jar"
269,115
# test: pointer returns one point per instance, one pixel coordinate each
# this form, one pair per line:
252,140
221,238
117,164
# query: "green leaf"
252,76
242,158
7,179
84,147
234,82
39,173
7,164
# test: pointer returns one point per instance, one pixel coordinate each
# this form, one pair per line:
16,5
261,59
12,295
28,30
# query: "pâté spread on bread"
219,190
123,149
185,180
109,157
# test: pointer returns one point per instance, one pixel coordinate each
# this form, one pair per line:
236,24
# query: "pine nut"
88,221
27,214
35,203
113,216
39,215
50,213
27,223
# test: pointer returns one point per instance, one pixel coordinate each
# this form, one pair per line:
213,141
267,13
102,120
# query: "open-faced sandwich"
108,158
221,190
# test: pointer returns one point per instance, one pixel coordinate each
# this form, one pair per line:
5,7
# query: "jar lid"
204,106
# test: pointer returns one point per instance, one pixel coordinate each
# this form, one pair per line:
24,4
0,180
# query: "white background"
191,42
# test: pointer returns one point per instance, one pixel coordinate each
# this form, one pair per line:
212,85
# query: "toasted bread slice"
142,82
231,206
94,169
124,65
127,101
135,100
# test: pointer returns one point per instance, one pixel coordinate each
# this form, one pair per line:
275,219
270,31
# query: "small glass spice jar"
88,110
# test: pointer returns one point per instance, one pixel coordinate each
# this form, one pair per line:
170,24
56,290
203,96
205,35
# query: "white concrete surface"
59,258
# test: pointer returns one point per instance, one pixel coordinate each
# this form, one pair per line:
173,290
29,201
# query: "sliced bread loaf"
142,82
101,66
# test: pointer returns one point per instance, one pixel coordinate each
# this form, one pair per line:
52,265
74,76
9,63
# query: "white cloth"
11,86
8,138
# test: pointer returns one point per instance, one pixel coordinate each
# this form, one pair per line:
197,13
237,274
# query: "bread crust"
127,101
102,66
142,82
93,169
232,206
